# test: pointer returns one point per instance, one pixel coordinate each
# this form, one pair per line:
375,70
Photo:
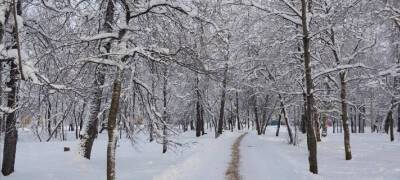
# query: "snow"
294,18
3,10
144,160
262,158
269,157
51,5
30,72
339,68
20,22
210,163
7,110
99,36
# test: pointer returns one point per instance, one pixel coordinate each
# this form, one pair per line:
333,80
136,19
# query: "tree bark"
256,120
398,118
112,127
237,111
165,115
389,123
317,124
345,123
91,128
222,106
279,124
198,109
286,121
311,139
11,134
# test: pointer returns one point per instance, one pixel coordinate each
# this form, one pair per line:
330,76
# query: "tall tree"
11,133
311,139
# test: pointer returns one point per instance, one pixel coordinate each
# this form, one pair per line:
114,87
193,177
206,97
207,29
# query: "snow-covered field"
262,158
47,161
269,157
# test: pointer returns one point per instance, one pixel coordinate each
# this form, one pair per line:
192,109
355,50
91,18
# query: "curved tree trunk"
90,131
91,126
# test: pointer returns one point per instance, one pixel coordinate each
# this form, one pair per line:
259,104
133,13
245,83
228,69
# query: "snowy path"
232,173
263,158
198,158
209,162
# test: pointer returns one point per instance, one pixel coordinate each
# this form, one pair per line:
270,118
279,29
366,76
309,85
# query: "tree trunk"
94,109
317,124
256,120
237,111
198,108
91,126
11,133
345,123
389,123
248,118
286,121
361,117
222,107
279,124
112,127
165,115
202,119
303,116
48,114
398,119
311,139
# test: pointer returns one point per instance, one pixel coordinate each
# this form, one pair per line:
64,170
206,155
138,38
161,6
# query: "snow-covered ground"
143,161
262,158
269,157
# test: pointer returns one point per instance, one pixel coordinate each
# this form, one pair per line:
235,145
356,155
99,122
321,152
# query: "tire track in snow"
232,173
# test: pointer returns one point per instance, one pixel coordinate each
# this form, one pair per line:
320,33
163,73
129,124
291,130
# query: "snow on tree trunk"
11,133
90,131
91,126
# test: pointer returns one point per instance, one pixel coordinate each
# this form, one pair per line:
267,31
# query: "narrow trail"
232,173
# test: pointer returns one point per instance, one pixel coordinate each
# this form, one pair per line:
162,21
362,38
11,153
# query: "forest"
199,89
